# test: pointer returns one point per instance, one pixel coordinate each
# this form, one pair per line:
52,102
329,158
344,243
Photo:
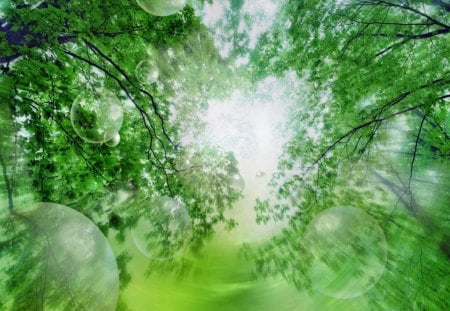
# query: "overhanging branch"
145,117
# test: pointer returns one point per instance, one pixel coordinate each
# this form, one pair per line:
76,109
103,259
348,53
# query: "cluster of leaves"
372,133
54,51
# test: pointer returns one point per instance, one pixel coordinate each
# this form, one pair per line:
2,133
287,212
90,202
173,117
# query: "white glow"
262,15
242,61
214,12
249,124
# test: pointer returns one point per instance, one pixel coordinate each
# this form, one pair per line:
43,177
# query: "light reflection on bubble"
164,231
348,252
97,116
161,7
113,142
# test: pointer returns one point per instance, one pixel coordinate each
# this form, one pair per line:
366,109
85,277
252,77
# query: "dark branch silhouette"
411,173
146,119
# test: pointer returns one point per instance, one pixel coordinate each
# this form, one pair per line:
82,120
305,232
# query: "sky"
250,122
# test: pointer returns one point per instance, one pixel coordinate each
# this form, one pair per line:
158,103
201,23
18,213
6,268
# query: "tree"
372,133
51,52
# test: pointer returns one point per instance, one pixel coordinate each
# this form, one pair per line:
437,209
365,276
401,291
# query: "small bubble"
97,116
236,182
114,141
147,72
261,174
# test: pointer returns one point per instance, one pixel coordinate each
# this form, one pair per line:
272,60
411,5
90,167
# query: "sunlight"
251,124
224,155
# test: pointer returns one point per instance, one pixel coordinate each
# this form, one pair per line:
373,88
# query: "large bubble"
347,251
164,231
97,116
63,256
161,7
147,72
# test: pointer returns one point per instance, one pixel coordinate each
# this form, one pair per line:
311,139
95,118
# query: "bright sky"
249,123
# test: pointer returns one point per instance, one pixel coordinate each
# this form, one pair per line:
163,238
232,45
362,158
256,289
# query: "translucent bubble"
147,72
66,254
261,174
97,116
114,141
164,231
236,182
161,7
348,252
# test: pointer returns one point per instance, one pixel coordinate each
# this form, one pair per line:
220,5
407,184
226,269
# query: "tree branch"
406,8
433,124
377,119
78,148
444,5
415,153
396,189
425,35
146,119
127,77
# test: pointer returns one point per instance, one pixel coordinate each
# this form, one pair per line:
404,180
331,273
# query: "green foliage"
372,132
65,47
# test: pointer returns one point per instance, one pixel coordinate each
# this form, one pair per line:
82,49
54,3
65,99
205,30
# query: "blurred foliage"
57,49
372,131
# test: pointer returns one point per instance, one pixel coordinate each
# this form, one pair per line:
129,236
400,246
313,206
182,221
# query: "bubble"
261,174
348,252
147,72
164,231
113,142
161,7
97,116
236,182
63,245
